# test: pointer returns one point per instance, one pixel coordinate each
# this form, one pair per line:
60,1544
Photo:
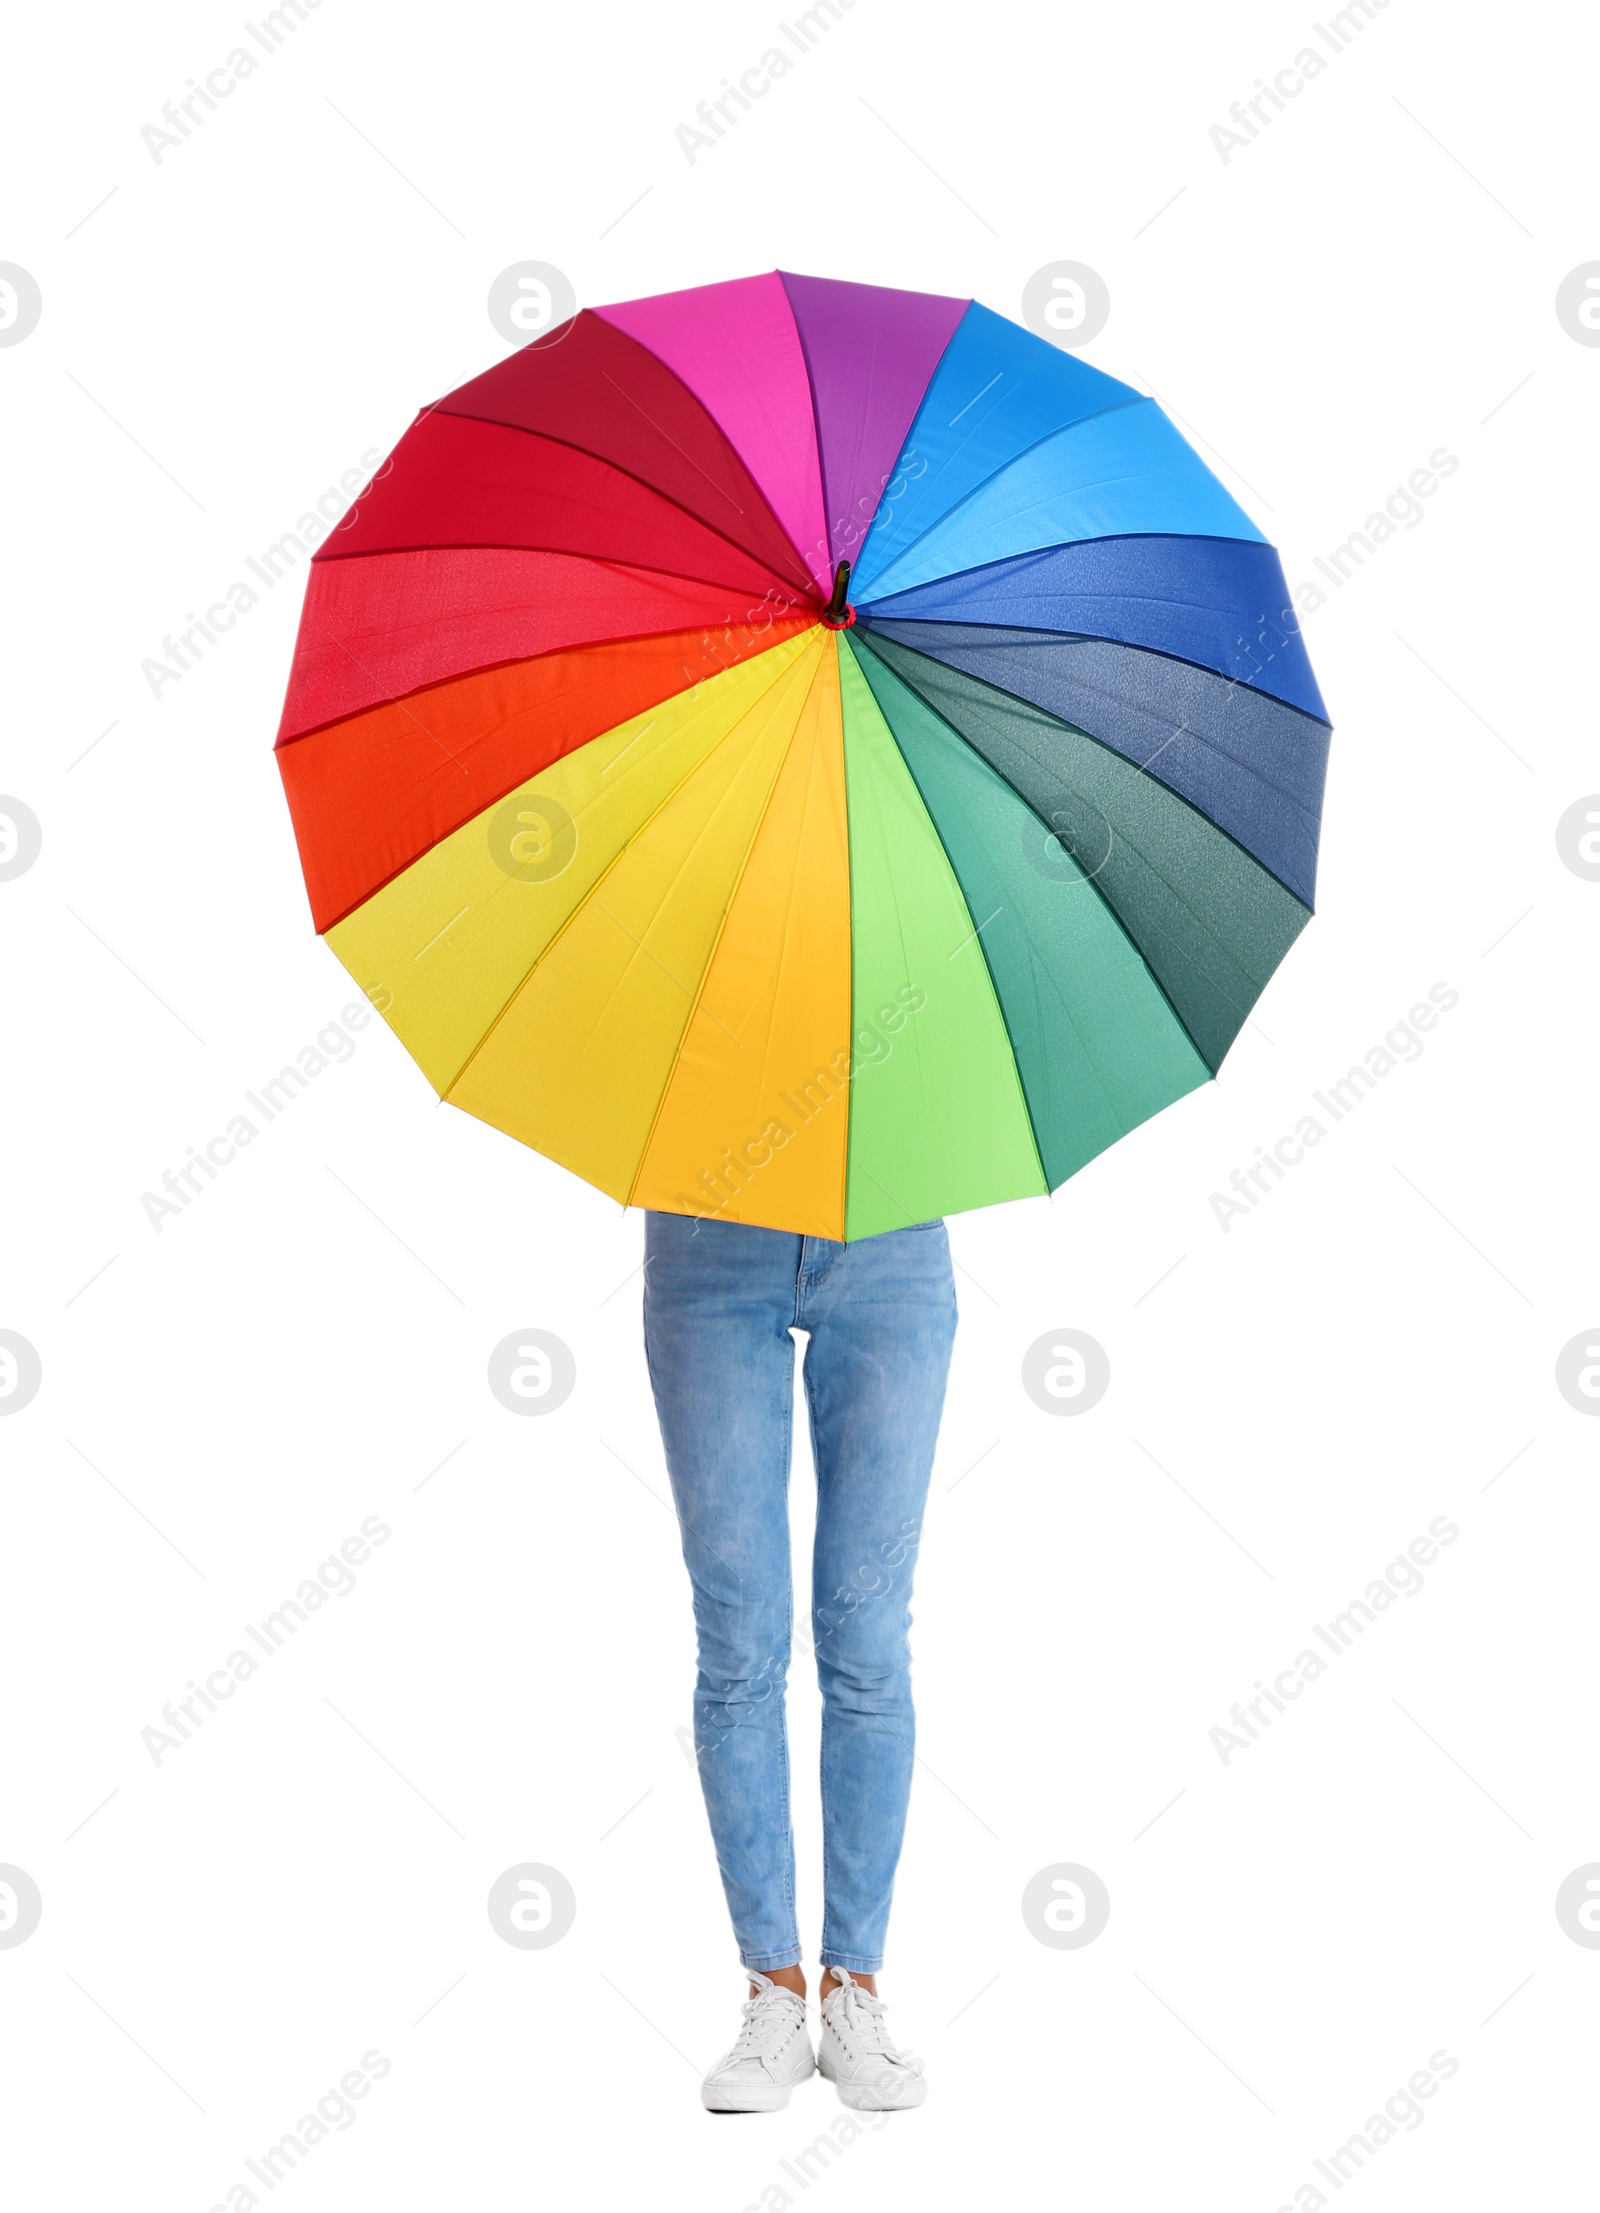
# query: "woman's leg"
882,1317
718,1303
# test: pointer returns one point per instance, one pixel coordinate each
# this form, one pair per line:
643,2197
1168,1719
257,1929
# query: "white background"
225,1935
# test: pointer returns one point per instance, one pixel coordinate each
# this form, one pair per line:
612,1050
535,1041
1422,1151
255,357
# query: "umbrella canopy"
804,753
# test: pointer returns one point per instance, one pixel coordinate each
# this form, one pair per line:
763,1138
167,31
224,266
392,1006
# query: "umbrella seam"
1112,407
616,858
756,396
1141,767
638,943
1127,476
961,894
572,445
872,608
487,668
1091,1059
722,924
1116,920
483,808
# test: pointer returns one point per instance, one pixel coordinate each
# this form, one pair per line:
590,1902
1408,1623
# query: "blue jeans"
720,1299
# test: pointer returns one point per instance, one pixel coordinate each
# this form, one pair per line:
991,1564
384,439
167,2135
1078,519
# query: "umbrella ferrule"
839,614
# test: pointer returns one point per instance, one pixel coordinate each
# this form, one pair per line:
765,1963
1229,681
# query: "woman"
720,1301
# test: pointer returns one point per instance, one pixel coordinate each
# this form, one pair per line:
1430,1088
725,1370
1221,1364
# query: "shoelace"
767,2020
863,2012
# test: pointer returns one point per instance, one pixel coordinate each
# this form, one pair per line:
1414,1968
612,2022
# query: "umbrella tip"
839,614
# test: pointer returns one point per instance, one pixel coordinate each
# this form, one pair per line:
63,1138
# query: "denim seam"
818,1462
788,1809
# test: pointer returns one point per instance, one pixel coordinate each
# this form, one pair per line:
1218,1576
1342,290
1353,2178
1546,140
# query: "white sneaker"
858,2055
773,2054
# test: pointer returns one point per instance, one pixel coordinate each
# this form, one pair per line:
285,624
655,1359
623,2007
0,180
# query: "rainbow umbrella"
804,753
